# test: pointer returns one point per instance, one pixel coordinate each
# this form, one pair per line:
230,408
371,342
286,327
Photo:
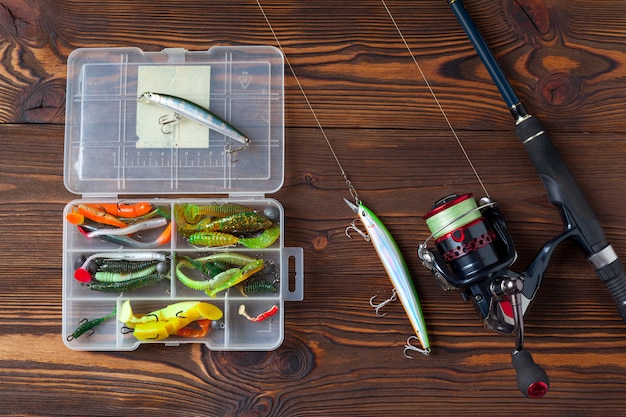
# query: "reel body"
474,252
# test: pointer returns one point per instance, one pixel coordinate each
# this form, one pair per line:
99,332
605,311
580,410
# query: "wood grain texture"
566,58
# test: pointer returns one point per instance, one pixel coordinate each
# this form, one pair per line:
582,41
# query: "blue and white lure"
397,270
186,109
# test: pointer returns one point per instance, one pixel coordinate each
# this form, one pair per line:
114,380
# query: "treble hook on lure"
380,305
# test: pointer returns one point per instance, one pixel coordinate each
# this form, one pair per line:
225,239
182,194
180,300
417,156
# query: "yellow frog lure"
391,257
168,321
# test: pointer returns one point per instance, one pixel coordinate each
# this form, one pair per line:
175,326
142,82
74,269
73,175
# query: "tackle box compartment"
119,151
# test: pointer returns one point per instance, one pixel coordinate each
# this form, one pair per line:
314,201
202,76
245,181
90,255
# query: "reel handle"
532,380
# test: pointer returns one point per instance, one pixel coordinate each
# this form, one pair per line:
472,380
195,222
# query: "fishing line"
432,93
351,187
451,216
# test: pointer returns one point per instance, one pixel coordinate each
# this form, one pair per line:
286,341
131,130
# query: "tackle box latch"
100,196
175,55
247,195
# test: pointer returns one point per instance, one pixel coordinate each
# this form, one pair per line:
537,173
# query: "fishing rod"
475,250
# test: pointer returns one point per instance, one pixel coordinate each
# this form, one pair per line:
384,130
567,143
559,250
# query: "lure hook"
380,305
408,346
242,147
166,120
232,153
126,330
354,227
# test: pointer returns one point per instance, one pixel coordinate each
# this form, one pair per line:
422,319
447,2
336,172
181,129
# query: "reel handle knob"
532,380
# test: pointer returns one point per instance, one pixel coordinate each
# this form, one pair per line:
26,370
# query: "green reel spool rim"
451,213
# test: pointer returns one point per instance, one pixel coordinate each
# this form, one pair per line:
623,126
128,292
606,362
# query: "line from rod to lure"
376,232
351,188
197,113
434,96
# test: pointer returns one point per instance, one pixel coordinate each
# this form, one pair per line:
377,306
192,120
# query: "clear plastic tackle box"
122,151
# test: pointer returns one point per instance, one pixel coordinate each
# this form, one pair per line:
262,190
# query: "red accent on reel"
444,206
506,308
469,247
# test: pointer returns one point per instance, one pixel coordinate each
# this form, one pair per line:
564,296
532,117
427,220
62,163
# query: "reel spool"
473,253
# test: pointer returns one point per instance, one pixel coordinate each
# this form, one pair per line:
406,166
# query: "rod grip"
561,187
532,380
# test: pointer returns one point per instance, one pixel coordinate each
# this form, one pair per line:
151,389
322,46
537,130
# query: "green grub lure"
220,239
194,213
245,222
89,325
128,285
221,281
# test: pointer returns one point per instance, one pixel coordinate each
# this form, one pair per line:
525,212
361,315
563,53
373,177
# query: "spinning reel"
473,253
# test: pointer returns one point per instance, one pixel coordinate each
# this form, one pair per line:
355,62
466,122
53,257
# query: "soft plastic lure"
124,209
133,228
261,317
220,282
192,111
396,268
167,321
194,213
82,273
162,239
82,211
245,222
217,239
127,285
201,330
85,326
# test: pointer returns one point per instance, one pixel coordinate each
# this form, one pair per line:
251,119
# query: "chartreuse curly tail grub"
221,281
263,240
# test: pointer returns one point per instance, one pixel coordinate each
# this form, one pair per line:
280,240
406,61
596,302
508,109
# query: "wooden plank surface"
566,59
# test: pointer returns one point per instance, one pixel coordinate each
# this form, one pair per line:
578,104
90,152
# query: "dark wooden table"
565,58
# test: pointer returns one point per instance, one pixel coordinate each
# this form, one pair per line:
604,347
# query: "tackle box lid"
117,144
